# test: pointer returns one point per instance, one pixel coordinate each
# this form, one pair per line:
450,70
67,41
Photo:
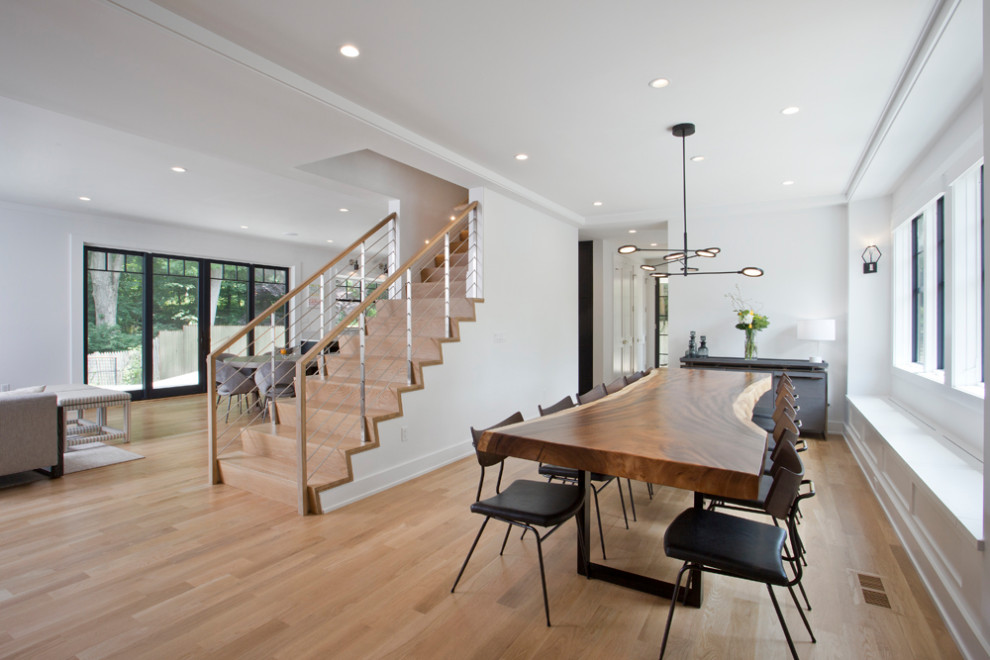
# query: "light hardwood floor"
146,560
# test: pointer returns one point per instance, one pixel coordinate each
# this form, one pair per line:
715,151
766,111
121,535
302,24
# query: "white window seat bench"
923,469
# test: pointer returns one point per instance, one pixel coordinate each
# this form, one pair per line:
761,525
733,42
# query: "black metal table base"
692,595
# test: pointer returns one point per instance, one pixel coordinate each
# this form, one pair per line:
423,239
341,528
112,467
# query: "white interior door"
623,354
639,305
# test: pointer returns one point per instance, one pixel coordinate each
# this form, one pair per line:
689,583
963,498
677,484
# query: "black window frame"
147,390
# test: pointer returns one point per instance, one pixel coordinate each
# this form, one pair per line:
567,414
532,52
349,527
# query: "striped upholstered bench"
79,398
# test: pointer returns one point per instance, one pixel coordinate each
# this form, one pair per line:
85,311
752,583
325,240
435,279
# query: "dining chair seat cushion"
746,548
542,503
561,472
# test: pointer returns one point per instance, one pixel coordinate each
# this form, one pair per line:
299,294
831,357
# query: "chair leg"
783,624
632,503
670,613
470,552
601,534
506,539
622,499
226,417
543,578
649,489
801,612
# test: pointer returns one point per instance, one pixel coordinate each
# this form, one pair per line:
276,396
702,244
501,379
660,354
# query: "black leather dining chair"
526,504
728,545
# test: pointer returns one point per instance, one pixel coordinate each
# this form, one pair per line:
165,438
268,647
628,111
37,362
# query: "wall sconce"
871,255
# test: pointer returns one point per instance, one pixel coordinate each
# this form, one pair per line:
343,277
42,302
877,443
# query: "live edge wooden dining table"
684,428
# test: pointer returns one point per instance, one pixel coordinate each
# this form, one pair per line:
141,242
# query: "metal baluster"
271,390
472,282
323,305
446,285
361,332
409,364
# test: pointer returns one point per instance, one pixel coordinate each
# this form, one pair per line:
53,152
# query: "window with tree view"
151,319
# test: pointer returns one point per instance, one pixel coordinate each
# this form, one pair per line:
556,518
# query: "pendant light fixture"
683,256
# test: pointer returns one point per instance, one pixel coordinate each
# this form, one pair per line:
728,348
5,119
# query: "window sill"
977,391
919,370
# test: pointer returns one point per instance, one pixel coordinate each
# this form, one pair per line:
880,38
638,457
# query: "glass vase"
749,351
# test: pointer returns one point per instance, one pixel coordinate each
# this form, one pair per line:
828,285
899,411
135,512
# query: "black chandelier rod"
684,192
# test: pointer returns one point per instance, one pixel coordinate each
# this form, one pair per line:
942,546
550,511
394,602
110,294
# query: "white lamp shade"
817,330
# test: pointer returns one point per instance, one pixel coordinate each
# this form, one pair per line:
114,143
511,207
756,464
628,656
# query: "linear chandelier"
682,256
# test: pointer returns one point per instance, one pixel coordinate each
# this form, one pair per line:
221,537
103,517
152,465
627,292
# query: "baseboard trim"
963,625
394,475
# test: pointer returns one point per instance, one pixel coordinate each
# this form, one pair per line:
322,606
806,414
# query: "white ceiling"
100,98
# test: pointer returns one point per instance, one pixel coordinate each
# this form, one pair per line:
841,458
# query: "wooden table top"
685,428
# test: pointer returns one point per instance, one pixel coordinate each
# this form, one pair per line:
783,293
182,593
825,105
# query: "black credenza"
810,383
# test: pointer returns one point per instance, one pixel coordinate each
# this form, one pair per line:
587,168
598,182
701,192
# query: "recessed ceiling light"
178,169
790,110
596,203
329,240
697,159
522,157
453,217
289,233
349,50
85,199
653,244
659,83
427,241
344,210
787,183
244,226
632,231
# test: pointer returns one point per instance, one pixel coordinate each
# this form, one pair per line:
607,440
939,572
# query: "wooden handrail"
288,296
393,278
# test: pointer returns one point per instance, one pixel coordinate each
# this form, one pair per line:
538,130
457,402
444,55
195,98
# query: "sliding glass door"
177,357
152,319
115,319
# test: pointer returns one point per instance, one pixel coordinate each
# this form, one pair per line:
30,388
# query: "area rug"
94,455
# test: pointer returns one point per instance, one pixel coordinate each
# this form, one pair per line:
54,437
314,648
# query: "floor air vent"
873,590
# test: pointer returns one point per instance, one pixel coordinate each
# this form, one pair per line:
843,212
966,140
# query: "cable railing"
344,345
256,364
400,326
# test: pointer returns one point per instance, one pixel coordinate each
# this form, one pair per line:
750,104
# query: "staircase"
341,390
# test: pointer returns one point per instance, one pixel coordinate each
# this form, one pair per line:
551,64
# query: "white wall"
425,201
519,353
869,328
804,256
41,264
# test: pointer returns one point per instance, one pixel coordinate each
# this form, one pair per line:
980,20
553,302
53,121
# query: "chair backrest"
595,393
229,375
615,385
632,378
785,424
283,374
784,490
563,404
487,459
785,455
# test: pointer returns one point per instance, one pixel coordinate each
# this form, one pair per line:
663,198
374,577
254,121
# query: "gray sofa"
30,433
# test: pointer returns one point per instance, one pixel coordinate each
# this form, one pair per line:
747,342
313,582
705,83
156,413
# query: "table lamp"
818,331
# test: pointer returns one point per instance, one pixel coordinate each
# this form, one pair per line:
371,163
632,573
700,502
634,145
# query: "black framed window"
151,319
940,283
918,290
